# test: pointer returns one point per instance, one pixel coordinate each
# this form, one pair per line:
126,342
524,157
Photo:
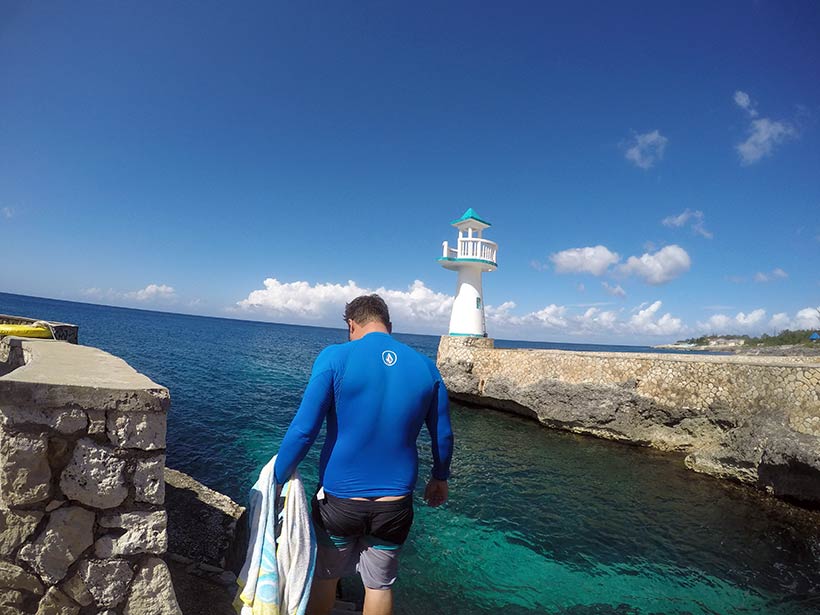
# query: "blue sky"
652,171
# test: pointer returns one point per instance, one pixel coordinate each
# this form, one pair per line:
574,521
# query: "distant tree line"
784,338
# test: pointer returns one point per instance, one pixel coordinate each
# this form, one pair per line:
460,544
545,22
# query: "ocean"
538,521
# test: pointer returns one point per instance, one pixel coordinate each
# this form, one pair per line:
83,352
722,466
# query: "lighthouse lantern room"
472,256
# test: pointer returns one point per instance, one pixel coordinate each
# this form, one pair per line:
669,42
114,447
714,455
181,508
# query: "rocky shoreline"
753,420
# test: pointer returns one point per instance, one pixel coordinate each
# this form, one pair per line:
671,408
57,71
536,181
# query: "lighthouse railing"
449,252
483,249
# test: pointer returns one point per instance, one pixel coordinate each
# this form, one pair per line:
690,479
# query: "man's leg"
378,601
322,596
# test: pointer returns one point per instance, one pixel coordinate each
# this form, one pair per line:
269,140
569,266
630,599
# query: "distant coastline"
784,344
785,350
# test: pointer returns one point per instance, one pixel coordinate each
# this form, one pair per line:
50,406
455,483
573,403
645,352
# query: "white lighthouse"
472,256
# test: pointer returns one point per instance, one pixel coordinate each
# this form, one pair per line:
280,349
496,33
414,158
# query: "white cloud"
755,323
664,265
807,318
721,324
595,260
646,149
593,322
7,212
776,274
421,309
152,292
323,303
751,319
301,299
764,133
646,323
681,219
615,291
499,313
780,321
418,303
744,101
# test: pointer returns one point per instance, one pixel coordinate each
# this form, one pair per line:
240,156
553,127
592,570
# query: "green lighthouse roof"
470,215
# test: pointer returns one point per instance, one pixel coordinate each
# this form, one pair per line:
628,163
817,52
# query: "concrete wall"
82,454
753,419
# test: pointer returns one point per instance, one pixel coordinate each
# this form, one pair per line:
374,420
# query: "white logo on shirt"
389,357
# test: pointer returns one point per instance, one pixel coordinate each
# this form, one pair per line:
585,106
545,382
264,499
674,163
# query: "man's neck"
373,327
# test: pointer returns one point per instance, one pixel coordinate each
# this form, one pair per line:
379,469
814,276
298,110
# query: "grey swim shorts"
361,536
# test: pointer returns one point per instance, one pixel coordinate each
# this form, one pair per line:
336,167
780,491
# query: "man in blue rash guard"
375,394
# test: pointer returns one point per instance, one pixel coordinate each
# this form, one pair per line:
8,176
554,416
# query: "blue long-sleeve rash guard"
376,393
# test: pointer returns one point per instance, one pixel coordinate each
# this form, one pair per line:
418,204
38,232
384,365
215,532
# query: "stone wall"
82,454
752,419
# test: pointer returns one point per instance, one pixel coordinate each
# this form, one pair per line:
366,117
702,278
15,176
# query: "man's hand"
435,494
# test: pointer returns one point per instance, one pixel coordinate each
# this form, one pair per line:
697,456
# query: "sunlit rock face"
82,489
755,420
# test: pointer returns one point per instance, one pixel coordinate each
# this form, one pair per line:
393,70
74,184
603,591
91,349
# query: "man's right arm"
307,423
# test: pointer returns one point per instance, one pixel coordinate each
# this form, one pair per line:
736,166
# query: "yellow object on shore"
30,330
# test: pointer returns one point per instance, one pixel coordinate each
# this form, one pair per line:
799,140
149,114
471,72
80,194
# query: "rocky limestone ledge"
751,419
83,525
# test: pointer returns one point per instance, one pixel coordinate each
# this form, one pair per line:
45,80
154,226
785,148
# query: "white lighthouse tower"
472,256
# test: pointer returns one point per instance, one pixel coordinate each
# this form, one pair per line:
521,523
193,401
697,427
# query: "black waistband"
371,505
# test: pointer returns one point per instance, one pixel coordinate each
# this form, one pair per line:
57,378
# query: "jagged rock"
143,430
56,602
25,476
152,592
13,577
69,532
94,476
96,422
201,522
106,580
766,453
10,599
145,532
75,588
15,528
613,412
149,482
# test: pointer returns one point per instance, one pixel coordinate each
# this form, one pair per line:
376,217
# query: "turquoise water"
538,521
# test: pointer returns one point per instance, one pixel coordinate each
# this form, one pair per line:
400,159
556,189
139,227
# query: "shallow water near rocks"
538,522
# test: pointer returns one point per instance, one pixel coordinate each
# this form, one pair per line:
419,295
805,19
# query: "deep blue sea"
539,521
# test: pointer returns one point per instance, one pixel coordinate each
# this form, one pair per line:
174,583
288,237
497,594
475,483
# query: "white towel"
277,574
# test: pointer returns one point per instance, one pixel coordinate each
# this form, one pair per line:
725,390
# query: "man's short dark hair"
367,308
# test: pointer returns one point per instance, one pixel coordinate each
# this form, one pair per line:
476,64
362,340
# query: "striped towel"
281,556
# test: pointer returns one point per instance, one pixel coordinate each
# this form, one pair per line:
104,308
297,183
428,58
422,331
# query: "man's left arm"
441,436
